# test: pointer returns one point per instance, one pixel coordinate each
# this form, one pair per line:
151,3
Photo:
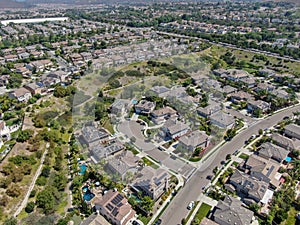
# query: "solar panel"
117,199
109,207
115,212
270,171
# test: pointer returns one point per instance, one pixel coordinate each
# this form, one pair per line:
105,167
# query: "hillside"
12,4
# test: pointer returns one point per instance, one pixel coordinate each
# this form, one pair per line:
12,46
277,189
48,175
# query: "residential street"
193,187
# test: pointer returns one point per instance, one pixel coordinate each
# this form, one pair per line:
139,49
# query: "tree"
228,157
10,221
30,207
46,200
24,135
147,203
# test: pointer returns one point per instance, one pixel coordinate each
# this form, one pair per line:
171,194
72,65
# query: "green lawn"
235,164
147,161
201,213
244,156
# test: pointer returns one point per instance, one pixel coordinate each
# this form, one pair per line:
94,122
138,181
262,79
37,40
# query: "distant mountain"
13,4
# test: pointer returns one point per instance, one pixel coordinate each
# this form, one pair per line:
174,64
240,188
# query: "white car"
191,205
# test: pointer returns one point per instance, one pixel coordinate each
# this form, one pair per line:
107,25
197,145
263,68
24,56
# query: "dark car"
222,162
135,223
209,177
158,222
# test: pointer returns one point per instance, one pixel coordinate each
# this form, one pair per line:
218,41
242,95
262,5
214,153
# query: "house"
235,75
231,211
114,207
209,110
228,89
264,87
194,140
11,58
3,128
101,151
95,219
39,65
120,106
292,131
174,129
24,71
161,115
151,182
253,105
270,151
144,107
285,142
248,81
59,74
239,96
4,79
263,169
245,184
206,221
280,93
222,120
124,164
21,94
34,88
90,135
24,55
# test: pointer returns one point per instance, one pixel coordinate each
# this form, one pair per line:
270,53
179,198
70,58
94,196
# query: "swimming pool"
88,195
85,188
83,168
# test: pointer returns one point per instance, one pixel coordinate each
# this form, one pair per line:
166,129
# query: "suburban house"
285,142
253,105
144,107
222,120
120,106
21,94
263,169
101,151
235,75
161,91
95,219
231,211
239,96
194,140
161,115
90,135
60,75
124,164
206,221
292,131
114,207
151,182
270,151
174,129
34,88
209,110
249,186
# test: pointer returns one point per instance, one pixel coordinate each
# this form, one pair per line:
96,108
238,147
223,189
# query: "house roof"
149,178
206,221
20,92
95,219
211,108
175,126
115,204
293,128
254,187
273,151
223,118
123,162
231,211
194,139
286,142
92,134
164,111
101,151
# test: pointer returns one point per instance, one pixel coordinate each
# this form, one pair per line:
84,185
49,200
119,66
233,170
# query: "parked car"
209,177
191,205
135,223
158,222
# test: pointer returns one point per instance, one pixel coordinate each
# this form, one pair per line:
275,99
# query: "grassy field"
244,156
201,213
287,67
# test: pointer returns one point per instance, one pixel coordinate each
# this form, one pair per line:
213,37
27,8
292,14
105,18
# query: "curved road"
177,210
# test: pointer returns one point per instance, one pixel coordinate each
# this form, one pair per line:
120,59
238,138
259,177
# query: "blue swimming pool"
134,102
82,169
85,188
88,195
